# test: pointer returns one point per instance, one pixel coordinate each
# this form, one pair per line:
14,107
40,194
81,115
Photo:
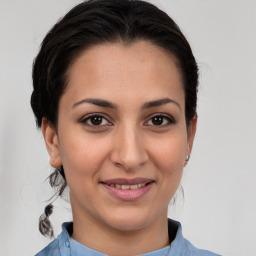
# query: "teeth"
133,186
125,187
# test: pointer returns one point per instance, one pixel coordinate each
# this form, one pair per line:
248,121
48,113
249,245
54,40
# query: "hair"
96,22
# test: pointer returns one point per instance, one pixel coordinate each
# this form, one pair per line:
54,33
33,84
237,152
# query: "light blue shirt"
64,245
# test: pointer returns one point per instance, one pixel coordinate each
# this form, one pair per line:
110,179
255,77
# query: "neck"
110,241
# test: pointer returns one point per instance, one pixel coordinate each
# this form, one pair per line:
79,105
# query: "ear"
191,131
52,143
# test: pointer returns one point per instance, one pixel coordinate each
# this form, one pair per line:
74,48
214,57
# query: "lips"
135,186
122,181
128,189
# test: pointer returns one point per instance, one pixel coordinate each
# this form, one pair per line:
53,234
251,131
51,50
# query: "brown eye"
160,120
96,120
157,120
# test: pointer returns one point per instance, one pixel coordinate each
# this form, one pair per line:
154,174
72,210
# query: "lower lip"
128,194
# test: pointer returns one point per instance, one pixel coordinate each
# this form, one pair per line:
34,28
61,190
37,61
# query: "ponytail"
58,182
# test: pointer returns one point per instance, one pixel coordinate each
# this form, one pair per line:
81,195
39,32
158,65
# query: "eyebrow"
107,104
98,102
160,102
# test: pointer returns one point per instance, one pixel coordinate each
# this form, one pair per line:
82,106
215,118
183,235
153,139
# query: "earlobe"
52,143
191,134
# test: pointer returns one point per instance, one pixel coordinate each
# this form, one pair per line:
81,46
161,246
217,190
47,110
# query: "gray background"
219,209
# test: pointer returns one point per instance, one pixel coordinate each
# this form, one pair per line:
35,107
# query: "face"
122,137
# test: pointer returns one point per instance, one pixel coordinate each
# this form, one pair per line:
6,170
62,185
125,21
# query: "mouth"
125,187
128,189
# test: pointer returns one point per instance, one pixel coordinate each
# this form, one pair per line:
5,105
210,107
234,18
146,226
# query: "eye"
95,120
160,120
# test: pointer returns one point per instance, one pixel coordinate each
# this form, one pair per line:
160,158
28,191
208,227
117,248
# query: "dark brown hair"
97,22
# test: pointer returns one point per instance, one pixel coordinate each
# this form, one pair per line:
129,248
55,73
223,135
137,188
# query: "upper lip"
123,181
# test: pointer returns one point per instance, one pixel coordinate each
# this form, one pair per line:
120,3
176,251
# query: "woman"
115,92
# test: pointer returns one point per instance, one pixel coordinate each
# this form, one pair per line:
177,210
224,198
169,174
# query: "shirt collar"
69,247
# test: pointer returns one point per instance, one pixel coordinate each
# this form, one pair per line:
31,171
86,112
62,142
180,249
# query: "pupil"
96,120
158,120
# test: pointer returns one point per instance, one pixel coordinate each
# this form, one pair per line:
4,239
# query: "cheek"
82,156
169,155
169,159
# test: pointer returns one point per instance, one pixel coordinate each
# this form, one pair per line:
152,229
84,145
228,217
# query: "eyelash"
166,118
87,118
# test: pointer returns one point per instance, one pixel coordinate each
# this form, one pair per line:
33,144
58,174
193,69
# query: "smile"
135,186
128,189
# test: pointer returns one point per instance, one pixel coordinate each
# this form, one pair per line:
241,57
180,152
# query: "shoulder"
59,246
51,249
181,246
190,250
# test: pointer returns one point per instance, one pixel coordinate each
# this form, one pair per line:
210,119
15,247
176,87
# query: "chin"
130,222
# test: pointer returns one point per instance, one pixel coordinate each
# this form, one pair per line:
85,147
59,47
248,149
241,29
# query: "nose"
128,148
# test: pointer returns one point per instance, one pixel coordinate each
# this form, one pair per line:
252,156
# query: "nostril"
128,153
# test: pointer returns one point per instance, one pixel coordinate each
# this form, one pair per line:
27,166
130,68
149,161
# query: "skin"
126,144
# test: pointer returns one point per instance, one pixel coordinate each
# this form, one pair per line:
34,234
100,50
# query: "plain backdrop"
219,207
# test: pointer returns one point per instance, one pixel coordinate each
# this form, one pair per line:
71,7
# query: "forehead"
138,69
